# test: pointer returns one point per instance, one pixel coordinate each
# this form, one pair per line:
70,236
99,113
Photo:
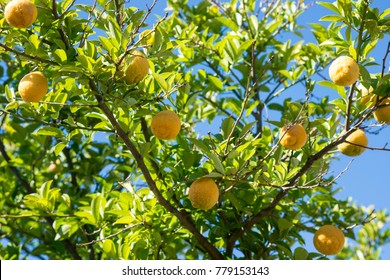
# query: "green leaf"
200,144
217,163
284,224
227,126
300,254
329,84
97,206
124,220
332,18
34,40
247,128
329,6
352,51
60,56
44,189
109,248
217,83
58,148
9,93
12,105
49,131
161,81
364,74
228,23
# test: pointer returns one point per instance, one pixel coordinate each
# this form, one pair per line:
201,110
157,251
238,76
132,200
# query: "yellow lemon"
293,136
20,13
33,87
344,71
166,125
203,193
349,149
329,240
382,114
138,68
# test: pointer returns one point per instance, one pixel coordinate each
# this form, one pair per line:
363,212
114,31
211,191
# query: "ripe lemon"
137,69
329,240
382,114
20,13
33,87
203,193
344,71
349,149
293,136
147,39
166,125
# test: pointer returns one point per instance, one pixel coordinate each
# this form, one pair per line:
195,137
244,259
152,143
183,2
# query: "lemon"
33,87
137,69
20,13
166,125
382,114
344,71
349,149
329,240
203,193
293,136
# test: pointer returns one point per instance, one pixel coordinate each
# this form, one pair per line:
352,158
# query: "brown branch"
212,251
68,8
68,126
366,220
118,14
61,30
14,170
358,49
384,59
31,57
370,148
109,236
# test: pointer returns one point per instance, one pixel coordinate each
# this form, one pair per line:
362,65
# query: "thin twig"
23,54
109,236
366,220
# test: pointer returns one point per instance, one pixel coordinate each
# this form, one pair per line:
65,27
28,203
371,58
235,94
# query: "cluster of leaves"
120,193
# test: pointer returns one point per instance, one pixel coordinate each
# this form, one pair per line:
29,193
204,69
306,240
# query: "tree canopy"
84,177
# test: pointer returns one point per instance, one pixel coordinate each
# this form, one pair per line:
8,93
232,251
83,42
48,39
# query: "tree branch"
212,251
31,57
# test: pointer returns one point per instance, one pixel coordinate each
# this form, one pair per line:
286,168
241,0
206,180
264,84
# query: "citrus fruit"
329,240
33,87
367,94
382,114
20,13
138,68
166,125
293,136
349,149
344,71
203,193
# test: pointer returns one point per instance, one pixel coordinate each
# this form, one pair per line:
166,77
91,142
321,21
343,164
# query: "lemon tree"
196,134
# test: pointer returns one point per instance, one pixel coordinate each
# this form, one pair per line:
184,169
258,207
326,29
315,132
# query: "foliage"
121,193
